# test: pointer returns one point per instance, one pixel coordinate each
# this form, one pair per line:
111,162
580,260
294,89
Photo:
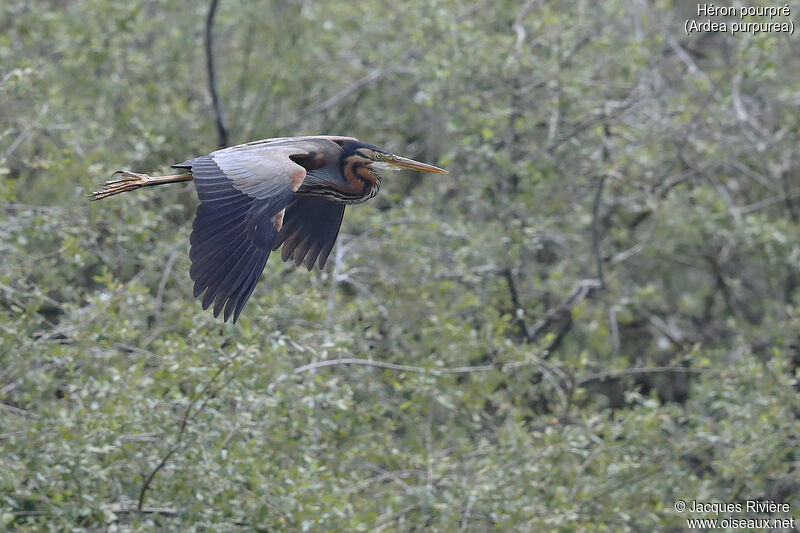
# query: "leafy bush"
594,315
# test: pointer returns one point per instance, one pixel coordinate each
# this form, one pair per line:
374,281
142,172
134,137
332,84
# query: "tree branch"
27,131
219,112
641,370
583,289
181,430
169,512
348,361
598,258
162,285
359,84
393,366
519,311
605,157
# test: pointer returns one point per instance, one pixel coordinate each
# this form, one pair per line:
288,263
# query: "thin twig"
337,266
596,231
519,311
641,370
359,84
370,78
557,338
87,313
533,360
605,155
687,60
467,512
766,202
135,349
519,27
169,512
351,361
181,430
27,131
613,326
384,475
393,366
15,410
162,285
582,290
383,524
162,511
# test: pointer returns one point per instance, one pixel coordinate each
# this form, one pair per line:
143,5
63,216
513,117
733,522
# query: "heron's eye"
380,156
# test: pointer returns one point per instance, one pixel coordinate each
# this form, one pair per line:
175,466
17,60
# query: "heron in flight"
259,196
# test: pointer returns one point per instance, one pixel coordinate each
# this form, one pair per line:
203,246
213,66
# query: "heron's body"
259,196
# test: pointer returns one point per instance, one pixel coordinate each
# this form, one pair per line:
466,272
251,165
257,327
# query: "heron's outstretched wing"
309,231
243,193
231,237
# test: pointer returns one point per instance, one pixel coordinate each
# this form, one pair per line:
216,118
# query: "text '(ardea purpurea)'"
259,196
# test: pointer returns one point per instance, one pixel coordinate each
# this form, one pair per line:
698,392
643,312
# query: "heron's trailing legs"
129,181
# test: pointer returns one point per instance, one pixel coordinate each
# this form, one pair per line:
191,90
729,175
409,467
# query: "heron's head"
378,159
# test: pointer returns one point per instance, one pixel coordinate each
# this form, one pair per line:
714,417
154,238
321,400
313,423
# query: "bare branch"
383,524
135,349
182,430
162,285
519,27
219,112
519,311
605,157
613,326
393,366
533,360
369,79
624,255
15,410
669,331
27,131
687,60
359,84
766,202
169,512
162,511
596,231
583,289
600,376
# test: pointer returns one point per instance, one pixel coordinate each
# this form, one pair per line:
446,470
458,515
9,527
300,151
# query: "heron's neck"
360,184
363,181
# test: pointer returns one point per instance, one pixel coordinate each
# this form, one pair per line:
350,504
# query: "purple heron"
259,196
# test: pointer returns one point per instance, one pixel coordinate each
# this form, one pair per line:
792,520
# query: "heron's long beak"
404,162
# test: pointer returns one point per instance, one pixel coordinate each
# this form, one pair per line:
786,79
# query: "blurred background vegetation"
593,315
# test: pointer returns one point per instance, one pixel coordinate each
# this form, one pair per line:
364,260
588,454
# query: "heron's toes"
127,177
127,181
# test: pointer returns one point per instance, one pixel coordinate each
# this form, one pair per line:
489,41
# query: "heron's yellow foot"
127,181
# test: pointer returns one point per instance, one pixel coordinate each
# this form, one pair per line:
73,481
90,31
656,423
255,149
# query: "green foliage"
593,315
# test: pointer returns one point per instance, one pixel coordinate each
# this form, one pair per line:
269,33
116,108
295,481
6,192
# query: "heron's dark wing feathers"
244,192
309,231
232,237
